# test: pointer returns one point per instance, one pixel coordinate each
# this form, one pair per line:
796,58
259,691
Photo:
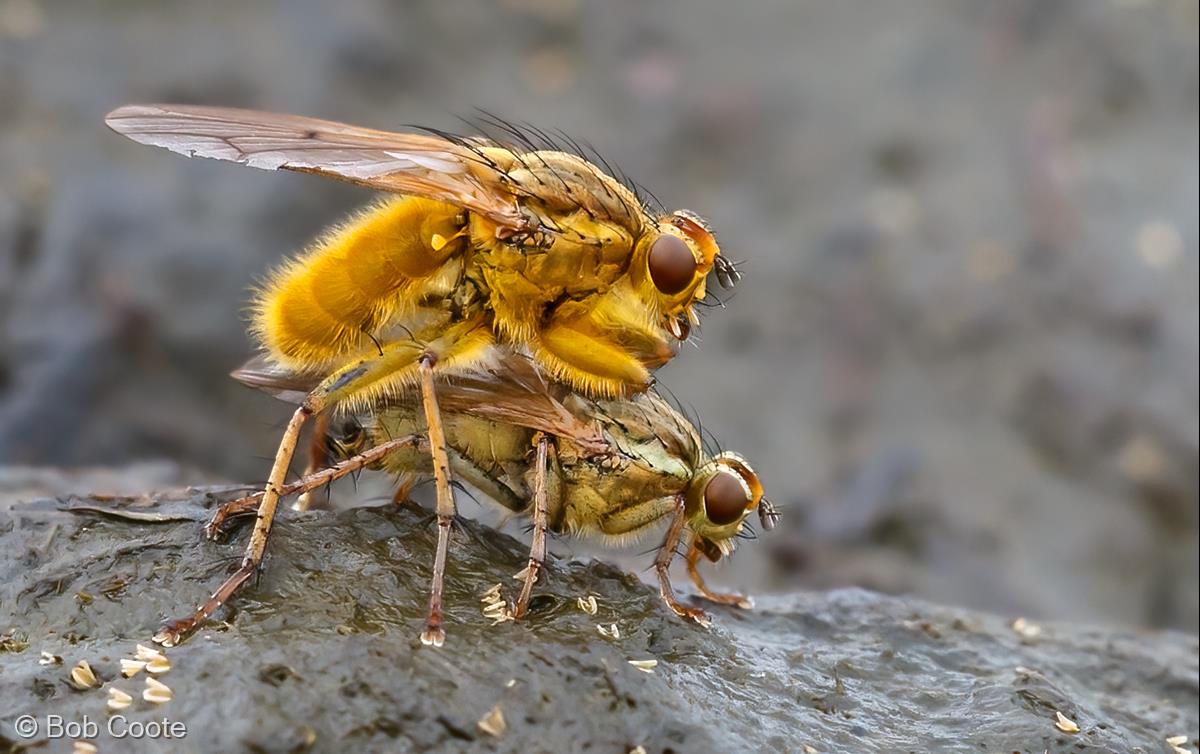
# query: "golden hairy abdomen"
321,306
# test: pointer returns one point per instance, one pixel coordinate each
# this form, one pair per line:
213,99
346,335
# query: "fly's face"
721,496
670,266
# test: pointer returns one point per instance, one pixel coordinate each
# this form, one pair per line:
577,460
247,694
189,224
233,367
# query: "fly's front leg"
662,564
537,550
693,562
604,345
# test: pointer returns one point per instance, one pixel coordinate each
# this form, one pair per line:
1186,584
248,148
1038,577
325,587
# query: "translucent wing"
513,391
460,173
261,374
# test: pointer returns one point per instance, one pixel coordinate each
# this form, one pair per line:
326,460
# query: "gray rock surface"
321,654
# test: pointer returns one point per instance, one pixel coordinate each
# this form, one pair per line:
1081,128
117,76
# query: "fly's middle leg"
434,635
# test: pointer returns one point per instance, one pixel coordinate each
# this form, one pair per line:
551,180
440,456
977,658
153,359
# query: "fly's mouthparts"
679,327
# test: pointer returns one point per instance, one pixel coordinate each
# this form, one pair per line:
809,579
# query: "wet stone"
321,653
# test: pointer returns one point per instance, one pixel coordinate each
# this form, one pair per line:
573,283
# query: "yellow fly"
491,246
607,467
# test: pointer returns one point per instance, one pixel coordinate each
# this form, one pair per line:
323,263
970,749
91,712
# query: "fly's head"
671,264
720,497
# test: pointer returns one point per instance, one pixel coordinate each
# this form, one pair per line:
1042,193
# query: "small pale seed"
610,631
495,610
83,677
130,668
1177,740
1065,724
1027,629
158,666
146,654
157,692
118,699
493,722
84,747
646,666
49,659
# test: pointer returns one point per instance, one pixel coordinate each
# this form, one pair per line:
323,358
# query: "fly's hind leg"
693,562
177,630
219,522
537,550
397,365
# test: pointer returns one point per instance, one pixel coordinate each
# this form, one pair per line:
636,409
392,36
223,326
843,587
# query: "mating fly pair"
490,253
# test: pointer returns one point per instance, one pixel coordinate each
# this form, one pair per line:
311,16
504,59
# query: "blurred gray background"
964,353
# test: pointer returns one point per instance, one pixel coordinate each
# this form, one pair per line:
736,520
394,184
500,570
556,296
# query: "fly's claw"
433,636
214,528
171,634
690,613
219,524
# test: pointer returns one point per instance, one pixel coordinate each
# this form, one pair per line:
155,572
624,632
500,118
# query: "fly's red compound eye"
725,498
672,264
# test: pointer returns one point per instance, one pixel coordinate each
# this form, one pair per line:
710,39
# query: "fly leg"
242,506
537,550
404,488
662,564
397,365
693,561
177,630
434,635
318,458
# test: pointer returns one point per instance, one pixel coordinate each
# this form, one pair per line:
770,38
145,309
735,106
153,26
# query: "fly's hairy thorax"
589,225
653,457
